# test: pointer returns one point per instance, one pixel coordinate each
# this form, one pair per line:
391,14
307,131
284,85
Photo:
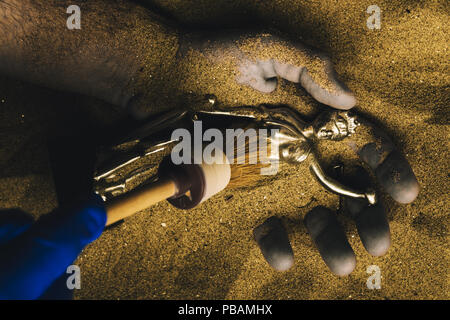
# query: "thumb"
274,57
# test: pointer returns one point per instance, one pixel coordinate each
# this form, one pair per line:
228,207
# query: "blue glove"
34,256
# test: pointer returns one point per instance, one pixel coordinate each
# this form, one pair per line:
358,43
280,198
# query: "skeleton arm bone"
338,188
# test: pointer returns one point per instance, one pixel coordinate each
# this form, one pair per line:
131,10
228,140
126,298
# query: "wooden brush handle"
138,199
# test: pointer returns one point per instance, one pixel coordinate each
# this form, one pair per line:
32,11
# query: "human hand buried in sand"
129,57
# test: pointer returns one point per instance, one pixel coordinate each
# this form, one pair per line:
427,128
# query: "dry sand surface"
400,75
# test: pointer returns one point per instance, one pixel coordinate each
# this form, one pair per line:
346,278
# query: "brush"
187,185
184,186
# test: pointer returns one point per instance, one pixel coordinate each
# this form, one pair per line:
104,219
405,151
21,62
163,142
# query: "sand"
400,76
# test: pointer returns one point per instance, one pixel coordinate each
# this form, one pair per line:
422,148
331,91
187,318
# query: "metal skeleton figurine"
135,159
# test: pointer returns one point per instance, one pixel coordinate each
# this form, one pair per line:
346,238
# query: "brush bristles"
245,175
247,164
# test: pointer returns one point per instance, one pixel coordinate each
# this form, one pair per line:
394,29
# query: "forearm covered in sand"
110,57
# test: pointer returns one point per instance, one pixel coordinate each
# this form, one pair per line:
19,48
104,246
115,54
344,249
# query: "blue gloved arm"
31,261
